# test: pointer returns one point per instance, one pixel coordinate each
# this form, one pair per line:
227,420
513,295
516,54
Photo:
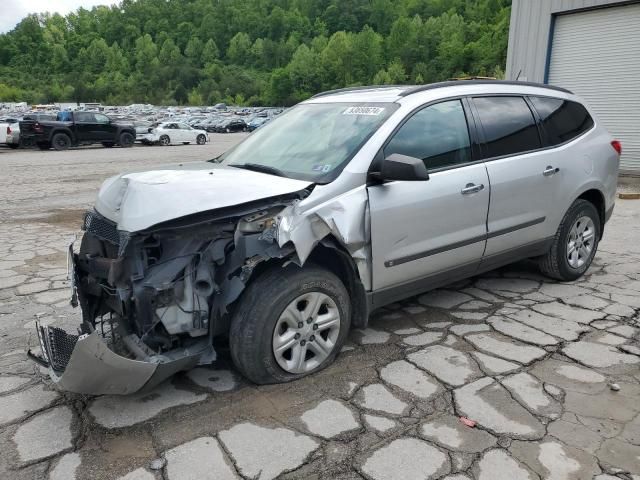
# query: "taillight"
617,146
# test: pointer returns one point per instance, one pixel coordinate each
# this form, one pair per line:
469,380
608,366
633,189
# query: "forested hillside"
247,51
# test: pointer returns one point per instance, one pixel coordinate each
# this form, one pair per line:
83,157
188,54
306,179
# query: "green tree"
239,49
253,51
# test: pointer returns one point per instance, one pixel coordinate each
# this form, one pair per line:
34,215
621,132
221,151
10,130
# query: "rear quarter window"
508,125
562,120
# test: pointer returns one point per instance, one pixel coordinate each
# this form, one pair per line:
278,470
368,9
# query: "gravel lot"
549,373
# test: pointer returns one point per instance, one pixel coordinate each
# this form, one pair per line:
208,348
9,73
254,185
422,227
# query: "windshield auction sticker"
373,111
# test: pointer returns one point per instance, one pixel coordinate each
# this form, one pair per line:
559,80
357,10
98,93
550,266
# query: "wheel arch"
66,131
122,130
330,254
596,198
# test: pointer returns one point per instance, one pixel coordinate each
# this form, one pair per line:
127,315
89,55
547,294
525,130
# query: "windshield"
312,142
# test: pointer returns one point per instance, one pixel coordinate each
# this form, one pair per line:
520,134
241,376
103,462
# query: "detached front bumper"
85,364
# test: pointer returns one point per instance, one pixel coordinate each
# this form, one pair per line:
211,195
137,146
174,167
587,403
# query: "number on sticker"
363,111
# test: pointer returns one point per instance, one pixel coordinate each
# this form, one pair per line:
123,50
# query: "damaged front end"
152,301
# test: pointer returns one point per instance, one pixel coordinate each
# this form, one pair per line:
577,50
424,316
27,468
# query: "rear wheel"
289,323
165,140
61,141
228,130
201,139
126,139
575,243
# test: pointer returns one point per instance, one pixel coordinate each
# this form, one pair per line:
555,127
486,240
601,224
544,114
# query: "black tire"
228,130
250,336
165,141
555,263
107,144
126,140
60,141
201,139
44,146
13,145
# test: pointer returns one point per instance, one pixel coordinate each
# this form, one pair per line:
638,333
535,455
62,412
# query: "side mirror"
403,167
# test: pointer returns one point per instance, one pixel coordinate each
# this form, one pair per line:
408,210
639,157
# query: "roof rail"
355,89
452,83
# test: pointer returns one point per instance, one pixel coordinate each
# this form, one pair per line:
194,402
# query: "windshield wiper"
257,167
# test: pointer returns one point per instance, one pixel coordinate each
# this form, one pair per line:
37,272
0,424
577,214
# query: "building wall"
529,34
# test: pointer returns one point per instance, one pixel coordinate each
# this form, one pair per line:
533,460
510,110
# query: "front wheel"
290,322
575,243
201,139
126,139
164,140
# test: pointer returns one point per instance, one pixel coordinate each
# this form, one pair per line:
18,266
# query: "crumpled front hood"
136,201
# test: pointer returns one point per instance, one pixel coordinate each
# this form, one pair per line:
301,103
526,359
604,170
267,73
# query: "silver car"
347,202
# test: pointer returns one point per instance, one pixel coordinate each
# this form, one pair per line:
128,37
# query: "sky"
12,11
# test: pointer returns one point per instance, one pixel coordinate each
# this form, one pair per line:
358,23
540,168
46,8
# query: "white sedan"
168,133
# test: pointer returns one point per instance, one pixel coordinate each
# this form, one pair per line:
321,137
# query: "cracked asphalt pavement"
545,375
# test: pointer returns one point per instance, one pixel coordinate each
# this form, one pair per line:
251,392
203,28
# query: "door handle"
472,188
550,171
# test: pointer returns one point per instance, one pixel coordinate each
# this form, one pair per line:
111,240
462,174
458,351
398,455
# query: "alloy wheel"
580,242
306,332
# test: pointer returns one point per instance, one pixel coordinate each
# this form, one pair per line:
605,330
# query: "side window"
102,119
508,125
437,134
562,119
84,117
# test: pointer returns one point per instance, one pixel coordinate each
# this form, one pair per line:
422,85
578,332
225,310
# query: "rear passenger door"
524,178
421,229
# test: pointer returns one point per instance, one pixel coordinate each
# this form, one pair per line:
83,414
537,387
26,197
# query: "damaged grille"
59,345
102,228
105,230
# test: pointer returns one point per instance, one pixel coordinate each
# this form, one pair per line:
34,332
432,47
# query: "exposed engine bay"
153,301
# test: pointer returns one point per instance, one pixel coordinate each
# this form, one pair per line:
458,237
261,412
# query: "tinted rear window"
562,120
508,124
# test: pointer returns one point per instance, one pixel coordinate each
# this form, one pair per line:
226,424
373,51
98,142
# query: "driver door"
103,130
424,232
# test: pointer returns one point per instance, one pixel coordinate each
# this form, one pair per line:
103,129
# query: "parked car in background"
76,128
256,123
229,125
10,132
168,133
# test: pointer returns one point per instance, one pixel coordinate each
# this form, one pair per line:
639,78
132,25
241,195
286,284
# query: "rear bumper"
85,364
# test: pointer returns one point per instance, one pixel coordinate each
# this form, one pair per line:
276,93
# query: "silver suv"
349,201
